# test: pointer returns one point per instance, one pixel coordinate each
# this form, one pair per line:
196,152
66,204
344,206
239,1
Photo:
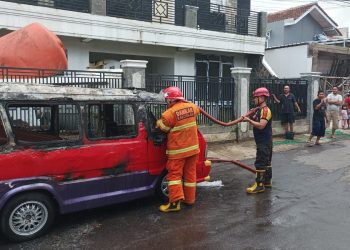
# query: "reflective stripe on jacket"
179,121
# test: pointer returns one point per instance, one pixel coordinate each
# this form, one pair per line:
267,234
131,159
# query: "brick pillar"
241,76
134,72
313,81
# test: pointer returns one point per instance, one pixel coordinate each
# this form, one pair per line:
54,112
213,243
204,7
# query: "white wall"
78,54
289,62
185,63
170,61
165,60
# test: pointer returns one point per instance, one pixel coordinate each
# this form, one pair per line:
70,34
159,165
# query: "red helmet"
261,92
173,93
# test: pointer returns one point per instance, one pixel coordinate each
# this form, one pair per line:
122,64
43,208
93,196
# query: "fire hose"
226,124
237,163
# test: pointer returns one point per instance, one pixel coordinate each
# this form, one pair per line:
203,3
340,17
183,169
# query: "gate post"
241,77
134,73
313,82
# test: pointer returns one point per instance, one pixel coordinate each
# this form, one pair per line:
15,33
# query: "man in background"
318,118
288,102
347,103
334,101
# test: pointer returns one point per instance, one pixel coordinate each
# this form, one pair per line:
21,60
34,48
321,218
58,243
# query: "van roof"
36,92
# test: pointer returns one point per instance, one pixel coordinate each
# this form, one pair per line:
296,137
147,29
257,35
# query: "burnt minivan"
66,149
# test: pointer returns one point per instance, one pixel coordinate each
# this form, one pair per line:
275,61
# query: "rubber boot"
258,186
171,207
268,177
289,135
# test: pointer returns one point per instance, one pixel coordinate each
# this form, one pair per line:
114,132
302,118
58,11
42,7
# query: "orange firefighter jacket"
179,121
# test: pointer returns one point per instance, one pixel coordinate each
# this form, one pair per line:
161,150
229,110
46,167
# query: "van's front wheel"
27,216
162,188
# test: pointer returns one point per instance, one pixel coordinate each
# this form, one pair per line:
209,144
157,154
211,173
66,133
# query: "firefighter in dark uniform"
262,129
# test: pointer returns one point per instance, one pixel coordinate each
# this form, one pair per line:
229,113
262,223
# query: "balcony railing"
209,16
228,19
73,5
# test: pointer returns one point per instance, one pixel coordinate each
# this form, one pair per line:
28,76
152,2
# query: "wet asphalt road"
308,208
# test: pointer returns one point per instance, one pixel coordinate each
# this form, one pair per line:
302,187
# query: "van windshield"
42,122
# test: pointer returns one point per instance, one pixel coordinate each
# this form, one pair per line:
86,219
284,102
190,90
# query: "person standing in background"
347,102
288,102
318,118
344,117
334,101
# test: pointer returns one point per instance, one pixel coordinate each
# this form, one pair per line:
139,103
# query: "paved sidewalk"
246,149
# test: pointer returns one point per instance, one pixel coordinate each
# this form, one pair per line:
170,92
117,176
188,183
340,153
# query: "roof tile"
294,13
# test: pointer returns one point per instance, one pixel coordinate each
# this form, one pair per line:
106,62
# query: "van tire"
27,216
162,187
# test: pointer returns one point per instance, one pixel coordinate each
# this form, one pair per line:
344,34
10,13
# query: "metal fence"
275,86
214,94
77,78
130,9
228,19
220,17
73,5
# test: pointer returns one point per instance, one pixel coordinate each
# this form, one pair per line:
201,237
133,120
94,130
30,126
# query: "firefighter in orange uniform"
179,121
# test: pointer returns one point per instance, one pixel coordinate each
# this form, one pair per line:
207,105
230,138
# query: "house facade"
182,37
299,24
305,39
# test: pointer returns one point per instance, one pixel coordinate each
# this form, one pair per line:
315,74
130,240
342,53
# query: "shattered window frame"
3,131
64,141
87,123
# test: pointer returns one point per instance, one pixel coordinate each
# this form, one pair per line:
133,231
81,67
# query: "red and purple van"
65,149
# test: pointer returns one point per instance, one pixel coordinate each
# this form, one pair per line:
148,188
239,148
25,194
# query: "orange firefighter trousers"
178,170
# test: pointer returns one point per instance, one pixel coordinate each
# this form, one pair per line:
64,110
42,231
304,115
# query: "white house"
305,39
182,37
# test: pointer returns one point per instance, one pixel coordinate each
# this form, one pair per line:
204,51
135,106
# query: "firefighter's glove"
158,136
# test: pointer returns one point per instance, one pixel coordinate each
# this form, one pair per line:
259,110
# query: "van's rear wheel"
27,216
162,188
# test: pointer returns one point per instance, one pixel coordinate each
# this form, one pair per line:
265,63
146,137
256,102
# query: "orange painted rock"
33,46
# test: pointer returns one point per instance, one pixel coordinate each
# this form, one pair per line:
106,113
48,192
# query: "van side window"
42,122
3,136
111,120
